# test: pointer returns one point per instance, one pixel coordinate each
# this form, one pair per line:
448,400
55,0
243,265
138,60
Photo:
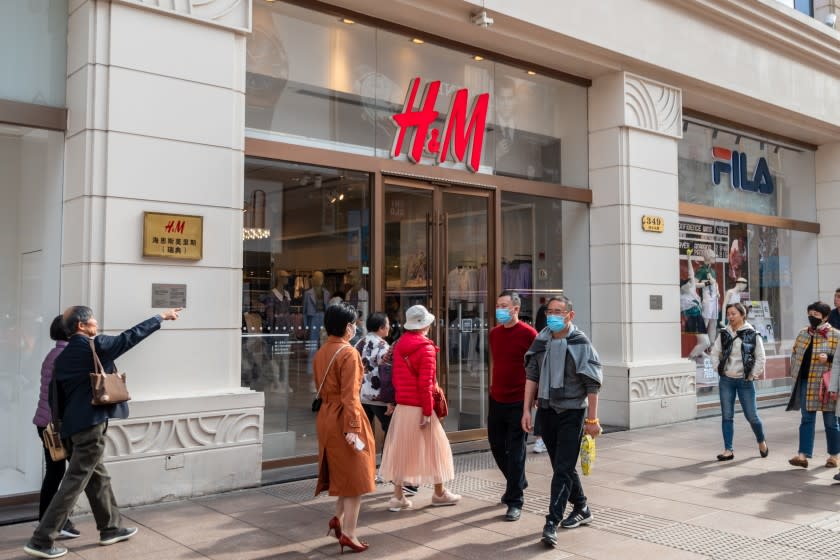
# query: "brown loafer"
831,463
797,462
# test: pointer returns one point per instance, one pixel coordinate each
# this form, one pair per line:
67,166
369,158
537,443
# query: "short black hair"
75,315
375,321
57,331
820,307
337,317
514,297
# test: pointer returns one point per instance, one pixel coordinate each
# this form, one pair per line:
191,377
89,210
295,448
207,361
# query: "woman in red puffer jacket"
416,448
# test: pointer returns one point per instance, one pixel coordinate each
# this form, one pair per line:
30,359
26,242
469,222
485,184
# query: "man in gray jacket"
563,372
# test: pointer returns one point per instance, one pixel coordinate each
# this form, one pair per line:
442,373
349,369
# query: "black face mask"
815,321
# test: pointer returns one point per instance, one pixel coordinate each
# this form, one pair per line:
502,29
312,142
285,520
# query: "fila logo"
734,163
463,131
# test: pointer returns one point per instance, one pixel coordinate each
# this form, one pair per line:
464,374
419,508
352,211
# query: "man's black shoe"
117,535
549,534
577,518
513,513
33,549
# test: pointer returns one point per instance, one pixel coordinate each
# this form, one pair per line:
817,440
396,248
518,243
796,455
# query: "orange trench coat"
342,469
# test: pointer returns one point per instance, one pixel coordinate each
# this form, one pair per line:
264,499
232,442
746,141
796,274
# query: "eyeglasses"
556,312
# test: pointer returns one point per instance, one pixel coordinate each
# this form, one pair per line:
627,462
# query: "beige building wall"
156,104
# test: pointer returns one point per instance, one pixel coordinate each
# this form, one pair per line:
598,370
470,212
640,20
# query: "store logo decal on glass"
462,133
734,163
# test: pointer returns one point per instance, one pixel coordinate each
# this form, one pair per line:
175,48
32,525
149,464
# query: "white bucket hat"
417,317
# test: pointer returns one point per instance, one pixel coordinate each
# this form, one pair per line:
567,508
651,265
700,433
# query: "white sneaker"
539,446
397,505
447,499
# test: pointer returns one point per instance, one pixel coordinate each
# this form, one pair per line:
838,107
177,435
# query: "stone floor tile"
740,524
241,501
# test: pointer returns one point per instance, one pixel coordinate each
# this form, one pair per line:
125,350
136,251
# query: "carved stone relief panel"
652,106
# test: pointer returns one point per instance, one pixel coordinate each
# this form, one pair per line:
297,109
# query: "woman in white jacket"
738,357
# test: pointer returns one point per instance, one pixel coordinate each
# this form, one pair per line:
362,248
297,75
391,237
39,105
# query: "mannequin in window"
733,295
357,296
278,320
315,302
707,282
692,312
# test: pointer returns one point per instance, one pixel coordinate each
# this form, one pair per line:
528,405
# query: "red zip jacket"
413,385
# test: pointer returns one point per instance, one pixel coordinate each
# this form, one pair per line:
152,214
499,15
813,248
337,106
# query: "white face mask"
353,332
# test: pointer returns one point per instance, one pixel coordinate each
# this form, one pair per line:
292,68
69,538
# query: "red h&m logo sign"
463,131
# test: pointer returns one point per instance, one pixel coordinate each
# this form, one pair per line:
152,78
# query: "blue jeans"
745,390
808,424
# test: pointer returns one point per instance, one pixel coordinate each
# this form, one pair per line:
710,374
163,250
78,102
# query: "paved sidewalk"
655,493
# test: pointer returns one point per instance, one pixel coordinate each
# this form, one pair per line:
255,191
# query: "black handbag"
316,403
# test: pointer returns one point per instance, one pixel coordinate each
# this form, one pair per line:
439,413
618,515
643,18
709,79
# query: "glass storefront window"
33,51
706,174
780,269
542,255
306,241
314,80
726,169
30,250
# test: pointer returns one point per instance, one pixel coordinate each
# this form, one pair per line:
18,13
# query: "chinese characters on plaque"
172,236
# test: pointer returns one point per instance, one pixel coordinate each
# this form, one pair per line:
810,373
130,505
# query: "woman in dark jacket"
54,469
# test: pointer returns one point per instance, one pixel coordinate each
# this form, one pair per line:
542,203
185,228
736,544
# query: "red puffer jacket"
413,385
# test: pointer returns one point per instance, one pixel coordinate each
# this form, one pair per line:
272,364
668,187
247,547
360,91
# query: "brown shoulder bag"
108,388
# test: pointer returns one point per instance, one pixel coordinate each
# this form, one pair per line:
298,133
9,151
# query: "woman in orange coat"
346,461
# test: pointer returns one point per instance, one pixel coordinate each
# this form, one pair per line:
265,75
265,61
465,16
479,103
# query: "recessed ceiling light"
478,58
417,41
348,21
531,73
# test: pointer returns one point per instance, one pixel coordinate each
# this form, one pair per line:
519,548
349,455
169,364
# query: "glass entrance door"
436,254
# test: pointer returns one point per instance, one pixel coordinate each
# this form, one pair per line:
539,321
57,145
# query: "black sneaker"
410,490
33,549
549,534
577,518
116,535
837,476
513,513
69,531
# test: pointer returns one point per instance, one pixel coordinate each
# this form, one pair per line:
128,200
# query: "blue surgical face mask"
502,315
555,323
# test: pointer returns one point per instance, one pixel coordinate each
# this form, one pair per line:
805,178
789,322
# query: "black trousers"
562,434
379,412
86,473
507,443
52,477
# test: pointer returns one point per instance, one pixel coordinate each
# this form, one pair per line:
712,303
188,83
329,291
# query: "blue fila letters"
734,163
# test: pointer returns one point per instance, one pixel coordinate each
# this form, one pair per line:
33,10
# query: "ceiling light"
478,58
341,196
531,73
738,139
685,126
417,41
348,21
761,145
714,133
776,149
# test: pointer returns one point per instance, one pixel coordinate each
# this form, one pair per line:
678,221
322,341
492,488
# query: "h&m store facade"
359,157
398,170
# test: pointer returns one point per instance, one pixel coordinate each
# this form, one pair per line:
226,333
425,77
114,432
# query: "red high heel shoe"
344,540
335,526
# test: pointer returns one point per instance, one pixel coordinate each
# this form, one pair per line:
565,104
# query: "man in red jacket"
509,341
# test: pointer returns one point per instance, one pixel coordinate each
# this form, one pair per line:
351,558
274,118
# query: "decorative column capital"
625,99
231,14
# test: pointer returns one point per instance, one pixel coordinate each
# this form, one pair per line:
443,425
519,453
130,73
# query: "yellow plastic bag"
587,454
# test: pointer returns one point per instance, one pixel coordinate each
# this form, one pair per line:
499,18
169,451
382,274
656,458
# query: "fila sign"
734,164
462,136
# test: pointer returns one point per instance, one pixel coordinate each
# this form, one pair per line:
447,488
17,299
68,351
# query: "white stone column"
828,215
156,106
635,124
